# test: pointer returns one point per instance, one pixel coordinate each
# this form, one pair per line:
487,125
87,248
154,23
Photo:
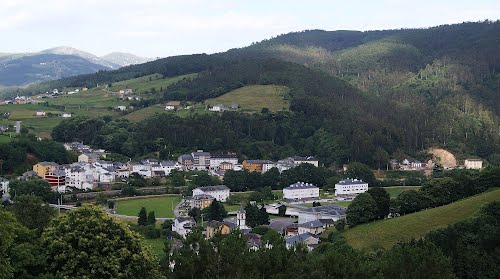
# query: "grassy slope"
162,206
5,139
396,190
142,84
255,97
386,233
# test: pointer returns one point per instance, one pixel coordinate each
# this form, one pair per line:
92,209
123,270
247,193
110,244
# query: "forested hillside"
363,95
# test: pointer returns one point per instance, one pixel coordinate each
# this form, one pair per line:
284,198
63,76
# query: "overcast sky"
160,28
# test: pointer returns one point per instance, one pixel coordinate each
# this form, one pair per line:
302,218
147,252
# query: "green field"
255,97
144,113
162,206
157,245
4,138
146,83
386,233
396,190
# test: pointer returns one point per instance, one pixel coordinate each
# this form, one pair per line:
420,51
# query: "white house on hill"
220,192
183,225
300,190
350,187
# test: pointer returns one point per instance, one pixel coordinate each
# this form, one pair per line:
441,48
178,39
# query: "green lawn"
144,113
231,208
396,190
157,245
256,97
386,233
146,83
4,138
162,206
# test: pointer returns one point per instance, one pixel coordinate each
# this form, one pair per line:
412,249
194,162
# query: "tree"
380,156
177,178
382,199
101,247
361,210
101,199
151,218
195,212
361,171
340,225
416,260
256,216
271,178
215,211
143,217
37,187
202,178
282,210
32,213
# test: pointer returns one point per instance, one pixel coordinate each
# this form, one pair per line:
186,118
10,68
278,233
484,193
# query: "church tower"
241,217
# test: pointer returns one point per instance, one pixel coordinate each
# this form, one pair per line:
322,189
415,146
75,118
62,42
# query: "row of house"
305,191
81,175
282,165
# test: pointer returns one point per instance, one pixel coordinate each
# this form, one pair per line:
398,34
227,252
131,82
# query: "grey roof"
327,221
299,158
214,224
232,225
253,236
301,185
185,219
242,210
48,164
224,156
200,153
259,162
155,165
332,209
203,197
312,224
350,181
185,157
167,163
299,238
278,225
213,188
159,172
58,173
91,155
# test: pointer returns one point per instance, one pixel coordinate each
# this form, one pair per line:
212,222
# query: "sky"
161,28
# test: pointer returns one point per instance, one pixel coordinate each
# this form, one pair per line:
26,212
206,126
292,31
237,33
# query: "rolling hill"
20,69
386,233
361,92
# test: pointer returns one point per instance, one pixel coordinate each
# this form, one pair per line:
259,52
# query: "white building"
79,177
66,115
267,165
332,212
474,164
217,108
4,185
315,227
300,190
41,113
121,108
201,160
220,192
297,160
350,187
217,159
183,225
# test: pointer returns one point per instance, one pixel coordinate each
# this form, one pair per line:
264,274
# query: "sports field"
162,206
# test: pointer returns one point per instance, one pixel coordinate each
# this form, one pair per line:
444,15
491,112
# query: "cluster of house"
44,113
221,108
4,185
19,100
311,221
427,166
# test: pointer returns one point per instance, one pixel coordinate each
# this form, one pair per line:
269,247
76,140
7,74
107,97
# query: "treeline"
24,151
453,186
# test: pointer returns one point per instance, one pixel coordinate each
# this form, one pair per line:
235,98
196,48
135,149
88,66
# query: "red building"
56,179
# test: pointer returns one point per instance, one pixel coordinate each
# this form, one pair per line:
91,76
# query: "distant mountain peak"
65,50
125,59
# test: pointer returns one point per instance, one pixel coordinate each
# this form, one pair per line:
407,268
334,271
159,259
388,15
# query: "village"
300,215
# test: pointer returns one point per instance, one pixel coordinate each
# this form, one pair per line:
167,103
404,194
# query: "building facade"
473,164
219,192
300,190
350,187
